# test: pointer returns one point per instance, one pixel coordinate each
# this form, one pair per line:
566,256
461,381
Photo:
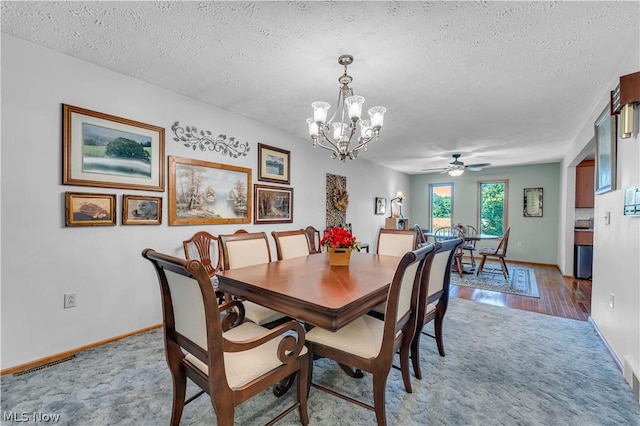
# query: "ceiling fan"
457,167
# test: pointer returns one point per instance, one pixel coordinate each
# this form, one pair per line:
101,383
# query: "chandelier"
336,136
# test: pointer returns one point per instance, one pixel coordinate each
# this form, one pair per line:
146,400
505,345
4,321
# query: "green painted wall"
532,239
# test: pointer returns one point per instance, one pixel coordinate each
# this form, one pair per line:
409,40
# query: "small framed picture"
83,209
532,202
273,164
380,205
273,204
140,210
112,152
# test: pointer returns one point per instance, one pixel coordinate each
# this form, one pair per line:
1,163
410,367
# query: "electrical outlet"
612,298
69,300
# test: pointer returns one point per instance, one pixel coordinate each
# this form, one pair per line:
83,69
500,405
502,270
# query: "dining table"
310,290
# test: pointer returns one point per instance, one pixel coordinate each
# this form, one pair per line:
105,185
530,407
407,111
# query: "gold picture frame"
86,209
206,193
141,210
103,150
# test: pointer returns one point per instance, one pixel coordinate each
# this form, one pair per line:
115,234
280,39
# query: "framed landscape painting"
273,204
205,193
83,209
273,164
113,152
140,210
605,174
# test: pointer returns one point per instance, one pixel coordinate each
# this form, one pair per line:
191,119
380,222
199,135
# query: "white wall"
532,239
616,269
116,289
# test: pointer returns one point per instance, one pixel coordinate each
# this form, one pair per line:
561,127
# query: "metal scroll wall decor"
337,200
204,140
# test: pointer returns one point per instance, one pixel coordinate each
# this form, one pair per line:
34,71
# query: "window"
441,207
493,199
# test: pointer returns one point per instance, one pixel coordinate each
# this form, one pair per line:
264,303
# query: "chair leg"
484,257
473,259
459,265
505,271
415,354
303,388
404,366
437,325
179,391
379,385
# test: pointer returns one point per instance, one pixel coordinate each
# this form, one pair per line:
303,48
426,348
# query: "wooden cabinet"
585,184
583,238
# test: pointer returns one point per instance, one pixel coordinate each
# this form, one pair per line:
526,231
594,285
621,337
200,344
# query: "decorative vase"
339,256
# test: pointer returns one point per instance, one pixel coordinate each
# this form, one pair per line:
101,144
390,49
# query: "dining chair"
314,238
470,244
422,238
205,247
449,233
291,243
247,249
229,359
369,344
499,253
434,298
396,242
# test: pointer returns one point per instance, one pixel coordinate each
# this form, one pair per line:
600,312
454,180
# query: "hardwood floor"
559,296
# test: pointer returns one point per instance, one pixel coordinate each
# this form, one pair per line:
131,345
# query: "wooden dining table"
310,290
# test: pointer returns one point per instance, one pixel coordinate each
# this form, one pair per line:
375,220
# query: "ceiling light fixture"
336,136
456,170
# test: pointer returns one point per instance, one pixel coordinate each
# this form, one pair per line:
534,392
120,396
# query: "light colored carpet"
522,281
503,367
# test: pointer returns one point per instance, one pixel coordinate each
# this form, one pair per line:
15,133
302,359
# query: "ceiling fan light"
456,172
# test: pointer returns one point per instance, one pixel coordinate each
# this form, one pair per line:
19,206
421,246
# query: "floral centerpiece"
339,243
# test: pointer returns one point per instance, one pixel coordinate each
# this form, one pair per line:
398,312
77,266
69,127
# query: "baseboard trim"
66,354
606,344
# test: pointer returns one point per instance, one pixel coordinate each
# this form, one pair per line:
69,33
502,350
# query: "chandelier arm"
323,136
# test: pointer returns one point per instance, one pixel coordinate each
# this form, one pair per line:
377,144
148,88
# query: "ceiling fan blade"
433,170
477,167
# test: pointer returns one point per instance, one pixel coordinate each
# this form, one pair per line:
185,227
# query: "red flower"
338,237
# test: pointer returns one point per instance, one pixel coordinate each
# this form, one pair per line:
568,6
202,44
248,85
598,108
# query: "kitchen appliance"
582,262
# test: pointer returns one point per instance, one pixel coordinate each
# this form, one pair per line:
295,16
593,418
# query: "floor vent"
40,367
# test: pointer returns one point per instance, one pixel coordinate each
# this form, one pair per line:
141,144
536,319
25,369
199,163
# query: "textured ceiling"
500,82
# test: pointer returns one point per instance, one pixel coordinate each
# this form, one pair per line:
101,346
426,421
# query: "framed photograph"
532,202
605,175
139,210
112,152
82,209
381,205
204,193
273,204
273,164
